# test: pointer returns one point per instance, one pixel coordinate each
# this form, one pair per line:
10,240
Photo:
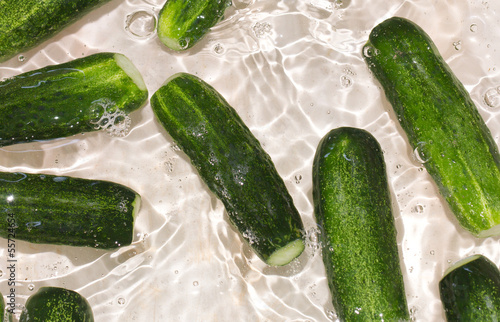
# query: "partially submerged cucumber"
82,95
25,24
182,23
358,237
55,304
470,290
440,120
233,164
64,210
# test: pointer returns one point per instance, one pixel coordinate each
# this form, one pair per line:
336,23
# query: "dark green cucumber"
233,164
182,23
64,210
358,237
25,24
55,304
70,98
440,121
470,290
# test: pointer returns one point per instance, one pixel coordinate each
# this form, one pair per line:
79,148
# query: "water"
293,71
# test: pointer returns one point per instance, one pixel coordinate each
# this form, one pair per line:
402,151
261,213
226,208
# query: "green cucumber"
55,304
233,164
182,23
82,95
63,210
353,211
25,24
440,120
470,290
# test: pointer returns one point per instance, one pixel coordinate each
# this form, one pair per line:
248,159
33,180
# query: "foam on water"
293,70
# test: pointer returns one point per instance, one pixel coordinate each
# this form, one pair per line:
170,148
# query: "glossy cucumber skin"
25,24
182,23
64,210
56,304
440,121
231,162
66,99
471,291
358,237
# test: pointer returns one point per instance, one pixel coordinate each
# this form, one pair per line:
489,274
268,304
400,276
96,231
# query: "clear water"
293,70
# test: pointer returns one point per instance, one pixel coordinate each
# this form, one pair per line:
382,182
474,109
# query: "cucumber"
82,95
63,210
25,24
470,290
55,304
182,23
233,164
353,211
440,120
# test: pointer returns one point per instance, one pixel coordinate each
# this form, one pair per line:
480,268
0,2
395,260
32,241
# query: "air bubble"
492,97
31,287
298,178
457,45
218,49
345,81
419,208
196,283
261,29
21,58
140,24
370,51
473,27
121,301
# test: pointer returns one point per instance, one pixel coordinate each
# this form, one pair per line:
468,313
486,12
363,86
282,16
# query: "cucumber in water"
358,237
470,290
233,164
56,304
57,101
182,23
25,24
63,210
440,120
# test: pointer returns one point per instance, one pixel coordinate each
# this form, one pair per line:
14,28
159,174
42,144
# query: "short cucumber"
470,290
358,237
82,95
25,24
63,210
182,23
440,120
233,164
55,304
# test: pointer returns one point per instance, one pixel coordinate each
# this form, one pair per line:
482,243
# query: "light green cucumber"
358,237
233,164
440,120
182,23
25,24
64,210
86,94
55,304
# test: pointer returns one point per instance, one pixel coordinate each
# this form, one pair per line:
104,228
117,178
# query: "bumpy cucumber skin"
66,99
471,292
231,161
182,23
440,121
25,24
56,304
353,211
68,211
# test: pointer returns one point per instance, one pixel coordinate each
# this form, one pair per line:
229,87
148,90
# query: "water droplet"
473,27
121,301
195,283
432,252
176,272
31,287
261,29
21,58
218,49
492,97
140,24
345,81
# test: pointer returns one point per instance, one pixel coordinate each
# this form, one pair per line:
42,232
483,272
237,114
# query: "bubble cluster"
105,116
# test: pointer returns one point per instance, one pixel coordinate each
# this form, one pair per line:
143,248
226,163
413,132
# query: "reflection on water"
293,70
